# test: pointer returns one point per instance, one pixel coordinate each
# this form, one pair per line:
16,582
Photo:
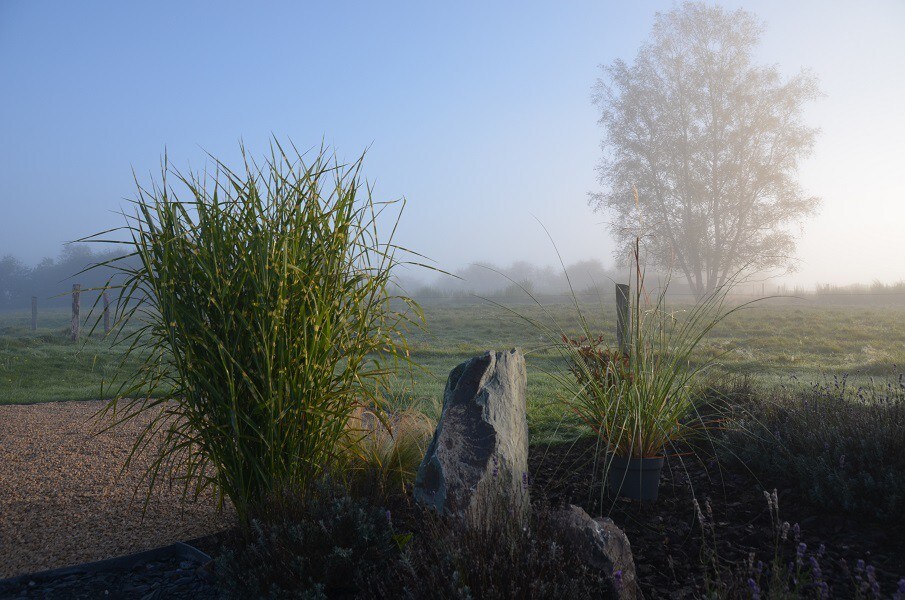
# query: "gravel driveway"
63,500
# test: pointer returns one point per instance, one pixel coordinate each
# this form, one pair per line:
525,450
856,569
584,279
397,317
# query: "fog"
480,116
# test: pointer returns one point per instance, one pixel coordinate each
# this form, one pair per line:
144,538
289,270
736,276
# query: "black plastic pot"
635,478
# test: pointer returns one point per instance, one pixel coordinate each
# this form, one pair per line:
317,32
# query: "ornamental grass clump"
646,397
642,400
385,450
266,319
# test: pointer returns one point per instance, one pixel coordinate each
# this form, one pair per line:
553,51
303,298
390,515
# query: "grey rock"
476,466
601,545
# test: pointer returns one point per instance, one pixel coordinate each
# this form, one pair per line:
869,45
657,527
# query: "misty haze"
410,300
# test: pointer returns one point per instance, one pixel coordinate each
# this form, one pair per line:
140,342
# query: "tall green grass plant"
267,320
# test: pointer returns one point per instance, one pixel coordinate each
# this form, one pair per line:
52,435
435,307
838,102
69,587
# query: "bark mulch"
666,537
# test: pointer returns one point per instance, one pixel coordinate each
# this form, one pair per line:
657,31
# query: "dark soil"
666,537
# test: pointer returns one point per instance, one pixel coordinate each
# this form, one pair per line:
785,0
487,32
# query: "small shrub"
502,559
794,570
324,548
842,447
595,366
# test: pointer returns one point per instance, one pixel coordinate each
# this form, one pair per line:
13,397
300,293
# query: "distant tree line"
517,280
589,280
51,279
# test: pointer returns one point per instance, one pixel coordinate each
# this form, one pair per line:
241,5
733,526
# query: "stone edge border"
117,563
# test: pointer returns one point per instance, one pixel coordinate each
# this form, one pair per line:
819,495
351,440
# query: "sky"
479,114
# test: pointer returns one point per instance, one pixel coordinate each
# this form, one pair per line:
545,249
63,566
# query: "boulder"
476,465
601,545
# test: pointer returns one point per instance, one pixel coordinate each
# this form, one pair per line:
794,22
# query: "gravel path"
63,500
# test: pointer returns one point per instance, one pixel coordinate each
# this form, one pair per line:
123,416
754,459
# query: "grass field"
774,342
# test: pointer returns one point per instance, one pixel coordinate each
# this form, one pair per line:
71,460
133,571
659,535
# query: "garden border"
117,563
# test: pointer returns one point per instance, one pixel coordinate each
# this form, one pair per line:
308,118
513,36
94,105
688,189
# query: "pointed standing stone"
477,463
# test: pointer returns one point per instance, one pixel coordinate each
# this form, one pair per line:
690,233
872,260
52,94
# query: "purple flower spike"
872,579
900,592
755,589
815,569
799,553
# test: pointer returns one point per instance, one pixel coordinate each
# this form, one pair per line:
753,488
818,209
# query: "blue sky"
478,113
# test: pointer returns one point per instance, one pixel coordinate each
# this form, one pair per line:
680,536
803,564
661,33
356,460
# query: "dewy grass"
266,318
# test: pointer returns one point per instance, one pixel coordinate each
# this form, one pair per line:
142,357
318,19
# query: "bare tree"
711,140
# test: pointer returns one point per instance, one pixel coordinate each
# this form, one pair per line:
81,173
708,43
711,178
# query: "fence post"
34,313
622,318
106,313
74,326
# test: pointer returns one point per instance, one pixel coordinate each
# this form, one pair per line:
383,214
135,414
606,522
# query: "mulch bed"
64,502
666,537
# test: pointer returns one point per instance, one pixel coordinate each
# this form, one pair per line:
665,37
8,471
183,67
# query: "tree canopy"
712,142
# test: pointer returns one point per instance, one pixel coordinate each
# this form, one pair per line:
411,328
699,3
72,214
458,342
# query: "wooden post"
74,326
622,317
34,313
106,313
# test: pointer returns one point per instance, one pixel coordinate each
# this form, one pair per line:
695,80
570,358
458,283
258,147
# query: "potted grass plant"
645,399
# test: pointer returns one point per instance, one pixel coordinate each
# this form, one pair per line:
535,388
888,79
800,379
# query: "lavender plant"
502,559
793,571
841,445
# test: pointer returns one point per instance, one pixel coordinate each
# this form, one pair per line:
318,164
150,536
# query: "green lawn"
774,342
44,365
